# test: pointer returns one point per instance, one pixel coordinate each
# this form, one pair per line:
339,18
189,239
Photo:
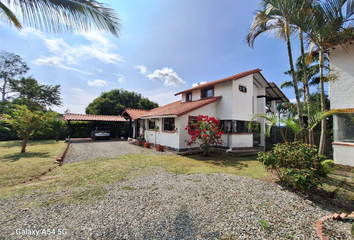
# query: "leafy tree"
207,133
11,65
60,15
34,95
25,122
116,101
278,15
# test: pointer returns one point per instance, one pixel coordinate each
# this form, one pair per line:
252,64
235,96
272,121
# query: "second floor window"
189,97
208,92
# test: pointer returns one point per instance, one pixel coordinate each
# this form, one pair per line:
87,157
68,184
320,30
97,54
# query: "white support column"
273,106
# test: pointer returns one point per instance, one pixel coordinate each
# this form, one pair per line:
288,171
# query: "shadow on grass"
17,143
223,160
17,156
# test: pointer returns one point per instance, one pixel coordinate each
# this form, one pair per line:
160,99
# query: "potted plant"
159,148
140,140
147,144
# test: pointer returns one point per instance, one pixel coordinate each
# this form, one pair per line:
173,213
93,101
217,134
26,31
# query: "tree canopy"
11,66
34,95
116,101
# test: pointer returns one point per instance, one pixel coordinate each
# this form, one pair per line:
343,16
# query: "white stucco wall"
242,102
164,138
225,105
343,154
341,91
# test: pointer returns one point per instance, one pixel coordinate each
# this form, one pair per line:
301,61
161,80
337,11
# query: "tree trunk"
306,85
4,88
296,89
24,144
323,107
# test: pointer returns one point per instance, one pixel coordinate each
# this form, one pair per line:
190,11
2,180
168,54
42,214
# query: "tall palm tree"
329,28
60,15
277,15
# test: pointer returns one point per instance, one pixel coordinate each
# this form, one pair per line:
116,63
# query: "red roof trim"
234,77
89,117
180,108
135,113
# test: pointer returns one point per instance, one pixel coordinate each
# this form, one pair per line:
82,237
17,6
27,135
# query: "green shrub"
296,164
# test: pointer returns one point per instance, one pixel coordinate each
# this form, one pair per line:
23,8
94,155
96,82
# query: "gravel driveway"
162,205
84,151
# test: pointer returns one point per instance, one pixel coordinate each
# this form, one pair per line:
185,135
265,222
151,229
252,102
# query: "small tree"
206,134
25,122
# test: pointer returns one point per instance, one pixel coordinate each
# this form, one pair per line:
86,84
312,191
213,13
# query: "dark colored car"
100,132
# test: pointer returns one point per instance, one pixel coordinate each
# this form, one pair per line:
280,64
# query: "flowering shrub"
205,132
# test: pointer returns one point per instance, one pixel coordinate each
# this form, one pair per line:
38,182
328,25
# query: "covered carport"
92,118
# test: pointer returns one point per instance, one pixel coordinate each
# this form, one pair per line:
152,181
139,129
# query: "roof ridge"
215,82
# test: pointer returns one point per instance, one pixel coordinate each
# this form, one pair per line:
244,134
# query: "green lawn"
84,181
17,167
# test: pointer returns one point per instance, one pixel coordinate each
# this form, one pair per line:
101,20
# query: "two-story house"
342,102
234,100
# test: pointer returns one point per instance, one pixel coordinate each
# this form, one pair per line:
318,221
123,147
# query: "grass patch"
264,224
17,167
128,188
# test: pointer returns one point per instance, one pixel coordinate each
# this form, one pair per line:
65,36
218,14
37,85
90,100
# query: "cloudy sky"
165,47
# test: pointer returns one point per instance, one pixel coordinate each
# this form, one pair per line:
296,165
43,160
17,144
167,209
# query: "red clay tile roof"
180,108
234,77
135,113
88,117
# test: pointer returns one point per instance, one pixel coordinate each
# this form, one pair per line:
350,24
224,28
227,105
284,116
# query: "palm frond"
66,15
7,15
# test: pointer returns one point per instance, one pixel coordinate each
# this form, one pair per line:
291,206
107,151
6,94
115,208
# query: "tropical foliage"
205,132
296,164
60,15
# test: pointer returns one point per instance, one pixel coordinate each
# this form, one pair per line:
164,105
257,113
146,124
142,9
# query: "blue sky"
165,47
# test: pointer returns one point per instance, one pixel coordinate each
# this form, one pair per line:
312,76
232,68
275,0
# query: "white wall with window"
340,94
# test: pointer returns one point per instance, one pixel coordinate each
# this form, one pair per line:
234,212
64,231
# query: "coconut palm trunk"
306,84
296,89
323,107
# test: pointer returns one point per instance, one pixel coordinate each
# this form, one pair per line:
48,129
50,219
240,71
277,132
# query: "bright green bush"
296,164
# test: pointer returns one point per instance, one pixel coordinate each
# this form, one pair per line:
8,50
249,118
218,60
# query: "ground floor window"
344,132
151,124
169,124
234,126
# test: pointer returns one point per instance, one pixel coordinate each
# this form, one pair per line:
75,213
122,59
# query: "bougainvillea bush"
296,164
205,132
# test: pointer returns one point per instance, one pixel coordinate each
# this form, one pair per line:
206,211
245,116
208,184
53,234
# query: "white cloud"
143,69
293,100
196,84
167,75
97,83
121,78
63,54
77,89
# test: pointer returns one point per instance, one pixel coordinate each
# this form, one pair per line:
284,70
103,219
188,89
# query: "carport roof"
88,117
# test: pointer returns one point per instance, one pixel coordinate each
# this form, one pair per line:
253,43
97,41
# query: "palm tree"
276,15
60,15
329,28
